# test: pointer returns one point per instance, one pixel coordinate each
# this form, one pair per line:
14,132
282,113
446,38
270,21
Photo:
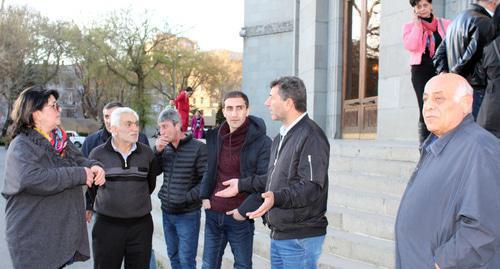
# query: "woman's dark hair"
415,2
29,100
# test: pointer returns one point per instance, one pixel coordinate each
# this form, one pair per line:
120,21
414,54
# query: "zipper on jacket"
268,215
170,178
310,166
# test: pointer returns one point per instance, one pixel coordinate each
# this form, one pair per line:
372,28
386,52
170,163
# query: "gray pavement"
5,262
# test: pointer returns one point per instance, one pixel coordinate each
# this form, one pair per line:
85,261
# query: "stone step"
370,202
369,166
391,150
360,247
378,184
353,221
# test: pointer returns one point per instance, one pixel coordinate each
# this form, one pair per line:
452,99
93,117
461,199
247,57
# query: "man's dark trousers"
115,238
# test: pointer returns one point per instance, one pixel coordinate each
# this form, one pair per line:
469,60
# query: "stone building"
351,57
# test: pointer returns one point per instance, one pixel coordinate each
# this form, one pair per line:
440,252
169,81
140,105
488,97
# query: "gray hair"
292,87
117,114
169,114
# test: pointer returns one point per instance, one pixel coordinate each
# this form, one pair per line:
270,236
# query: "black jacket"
298,177
462,49
100,137
489,114
183,169
91,142
254,155
129,183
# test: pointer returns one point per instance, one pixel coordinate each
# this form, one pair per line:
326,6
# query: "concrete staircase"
367,179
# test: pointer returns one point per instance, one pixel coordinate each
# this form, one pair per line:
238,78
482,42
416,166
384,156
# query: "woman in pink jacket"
197,125
421,37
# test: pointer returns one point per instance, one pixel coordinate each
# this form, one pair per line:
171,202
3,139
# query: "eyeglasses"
55,106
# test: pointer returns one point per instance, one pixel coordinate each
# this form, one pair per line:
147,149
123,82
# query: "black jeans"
115,239
420,74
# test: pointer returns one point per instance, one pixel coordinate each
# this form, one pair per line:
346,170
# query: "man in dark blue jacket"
238,148
448,216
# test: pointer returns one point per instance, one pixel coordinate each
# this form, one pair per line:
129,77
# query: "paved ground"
5,262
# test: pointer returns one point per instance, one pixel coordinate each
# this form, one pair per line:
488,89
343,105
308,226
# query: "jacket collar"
480,9
437,145
188,137
110,147
256,129
284,130
104,135
304,118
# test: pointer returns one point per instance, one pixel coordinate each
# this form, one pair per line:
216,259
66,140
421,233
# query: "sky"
214,24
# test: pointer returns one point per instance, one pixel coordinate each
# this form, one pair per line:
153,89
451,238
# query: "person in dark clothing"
123,229
489,114
421,37
98,138
43,179
238,148
448,216
183,160
462,49
296,184
101,137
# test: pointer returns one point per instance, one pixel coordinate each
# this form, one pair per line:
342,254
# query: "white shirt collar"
284,130
124,155
490,12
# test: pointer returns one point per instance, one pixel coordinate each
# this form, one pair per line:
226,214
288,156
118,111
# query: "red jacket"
182,102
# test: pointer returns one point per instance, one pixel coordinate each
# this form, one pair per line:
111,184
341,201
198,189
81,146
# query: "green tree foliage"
125,58
31,50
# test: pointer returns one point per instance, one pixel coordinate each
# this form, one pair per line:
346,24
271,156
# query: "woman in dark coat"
489,113
43,180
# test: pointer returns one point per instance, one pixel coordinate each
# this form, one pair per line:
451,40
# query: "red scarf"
57,138
429,29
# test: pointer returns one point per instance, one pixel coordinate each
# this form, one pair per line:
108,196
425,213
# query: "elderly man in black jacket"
98,138
123,230
184,161
296,185
238,148
462,49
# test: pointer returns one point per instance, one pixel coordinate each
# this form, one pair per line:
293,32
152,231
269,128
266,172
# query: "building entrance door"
360,68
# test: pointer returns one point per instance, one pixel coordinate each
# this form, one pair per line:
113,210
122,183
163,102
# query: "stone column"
268,51
334,69
313,56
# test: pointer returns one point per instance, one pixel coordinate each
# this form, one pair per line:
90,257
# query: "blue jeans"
477,99
296,253
220,229
152,262
181,234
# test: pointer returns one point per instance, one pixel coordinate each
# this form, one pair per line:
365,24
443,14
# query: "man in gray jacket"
296,184
123,228
448,216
